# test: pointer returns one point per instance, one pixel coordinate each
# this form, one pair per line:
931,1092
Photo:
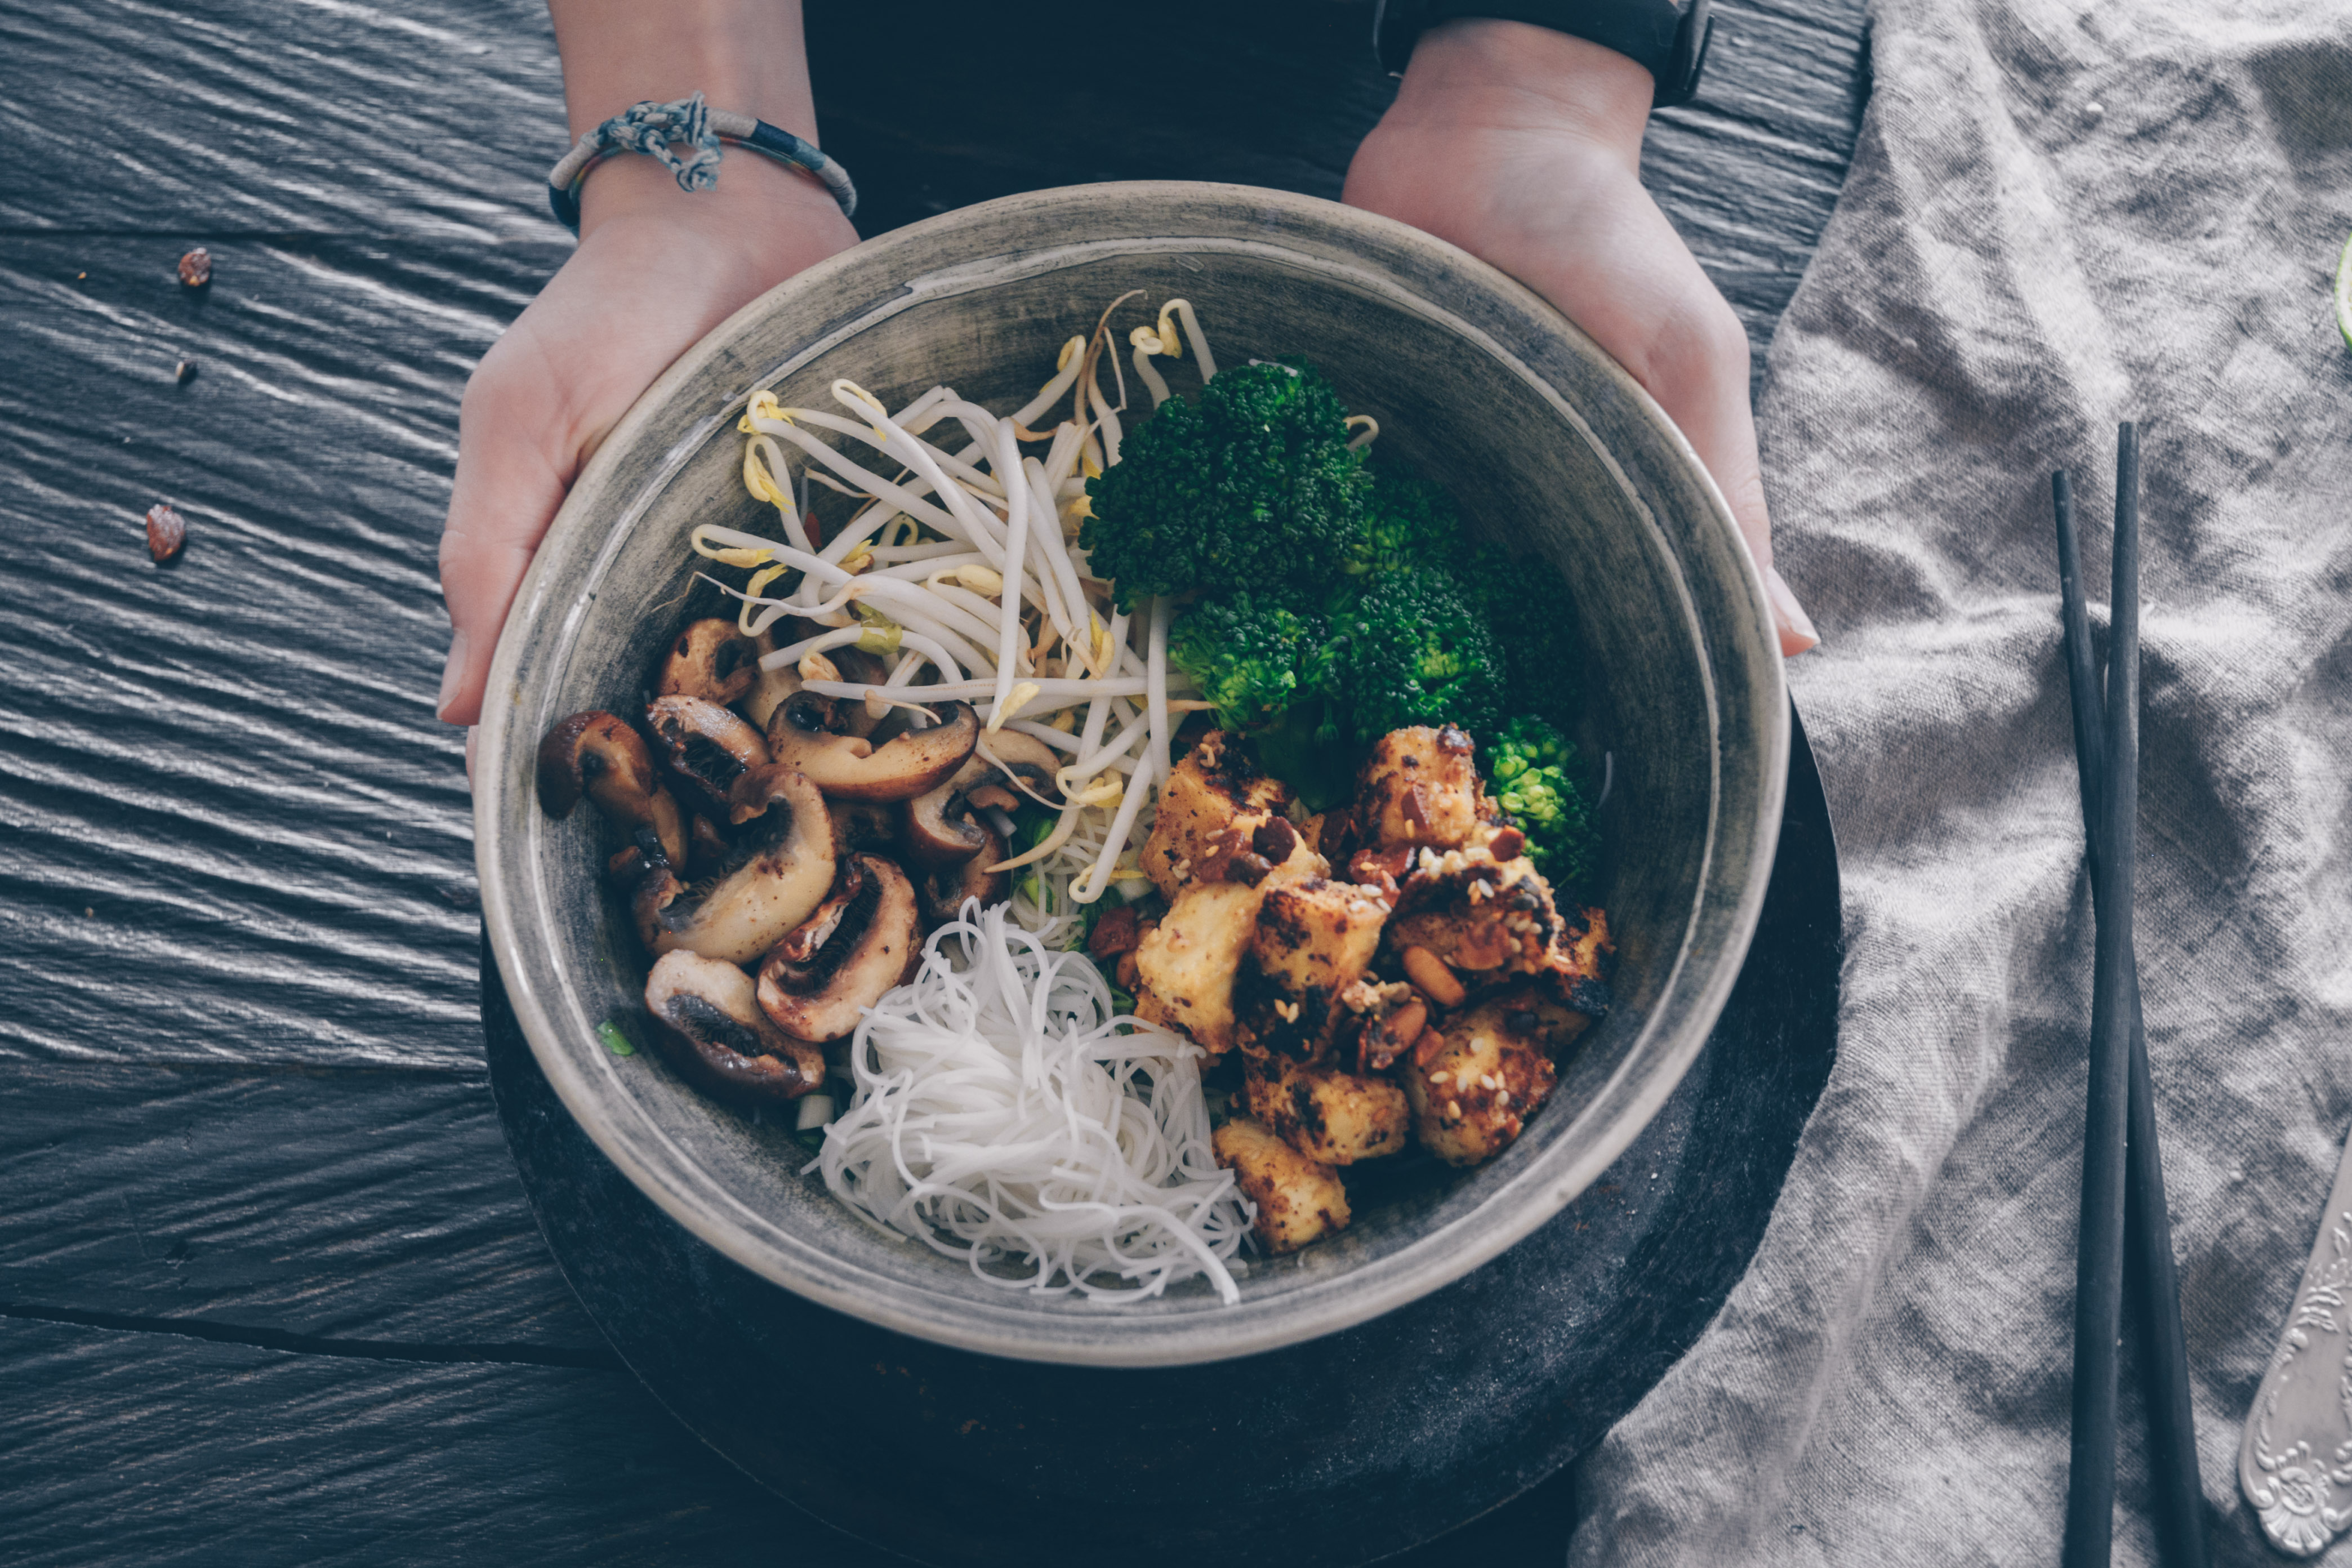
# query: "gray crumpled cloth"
2062,214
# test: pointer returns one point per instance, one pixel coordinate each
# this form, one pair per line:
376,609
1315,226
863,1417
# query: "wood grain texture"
362,1209
238,835
239,948
162,1450
422,120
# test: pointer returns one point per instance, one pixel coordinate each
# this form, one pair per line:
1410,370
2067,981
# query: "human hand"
656,269
1523,146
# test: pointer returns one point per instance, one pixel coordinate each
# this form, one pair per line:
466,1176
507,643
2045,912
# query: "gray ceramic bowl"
1550,449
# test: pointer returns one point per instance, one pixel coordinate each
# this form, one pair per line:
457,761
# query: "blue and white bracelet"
651,128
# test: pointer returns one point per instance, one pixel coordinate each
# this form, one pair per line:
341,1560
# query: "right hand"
1523,146
658,268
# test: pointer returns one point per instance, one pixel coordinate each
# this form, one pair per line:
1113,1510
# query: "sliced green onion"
614,1041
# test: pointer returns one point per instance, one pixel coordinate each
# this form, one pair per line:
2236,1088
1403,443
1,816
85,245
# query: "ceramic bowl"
1549,448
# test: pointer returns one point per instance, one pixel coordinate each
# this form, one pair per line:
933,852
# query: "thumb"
511,478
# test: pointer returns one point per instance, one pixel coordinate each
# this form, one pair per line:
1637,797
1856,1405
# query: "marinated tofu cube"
1212,795
1580,956
1313,940
1298,1200
1420,788
1473,1094
1334,1117
1481,916
1184,970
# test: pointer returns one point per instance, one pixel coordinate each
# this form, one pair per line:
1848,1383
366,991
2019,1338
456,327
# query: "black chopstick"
2151,1276
2137,1243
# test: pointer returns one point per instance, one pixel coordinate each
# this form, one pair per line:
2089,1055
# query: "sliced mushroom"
644,876
858,665
849,768
863,825
707,744
706,848
713,1030
943,828
777,871
769,691
934,839
856,946
712,660
944,890
597,754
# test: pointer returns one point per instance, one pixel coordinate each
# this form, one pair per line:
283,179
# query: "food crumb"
167,531
184,372
196,268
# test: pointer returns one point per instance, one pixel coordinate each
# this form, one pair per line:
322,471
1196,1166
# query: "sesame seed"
1454,1109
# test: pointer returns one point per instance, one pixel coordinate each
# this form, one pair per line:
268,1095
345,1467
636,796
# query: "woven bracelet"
652,128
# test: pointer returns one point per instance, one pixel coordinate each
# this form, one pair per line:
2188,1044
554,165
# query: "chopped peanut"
1426,970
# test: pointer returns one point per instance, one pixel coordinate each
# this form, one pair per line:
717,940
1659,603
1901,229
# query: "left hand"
1523,146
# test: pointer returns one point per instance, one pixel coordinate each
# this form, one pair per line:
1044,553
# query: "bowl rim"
1638,1086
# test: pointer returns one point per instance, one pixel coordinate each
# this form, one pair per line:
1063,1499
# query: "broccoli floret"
1245,655
1544,662
1527,607
1530,769
1410,650
1253,486
1308,749
1408,523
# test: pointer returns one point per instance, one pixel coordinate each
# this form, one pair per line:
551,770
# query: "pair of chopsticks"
2126,1234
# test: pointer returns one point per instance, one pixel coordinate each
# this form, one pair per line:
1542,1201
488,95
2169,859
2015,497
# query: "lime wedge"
2344,293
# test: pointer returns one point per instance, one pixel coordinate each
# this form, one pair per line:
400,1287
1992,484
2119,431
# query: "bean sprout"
965,550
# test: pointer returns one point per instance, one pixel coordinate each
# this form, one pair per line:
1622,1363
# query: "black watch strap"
1668,38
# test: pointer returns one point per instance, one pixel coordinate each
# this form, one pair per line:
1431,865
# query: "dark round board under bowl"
1340,1450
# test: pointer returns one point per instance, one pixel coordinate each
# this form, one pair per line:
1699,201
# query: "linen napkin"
2060,214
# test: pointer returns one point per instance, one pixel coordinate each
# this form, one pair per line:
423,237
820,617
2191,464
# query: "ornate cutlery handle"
2296,1463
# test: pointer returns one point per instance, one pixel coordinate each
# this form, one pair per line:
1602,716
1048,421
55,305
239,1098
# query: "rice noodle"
1004,1114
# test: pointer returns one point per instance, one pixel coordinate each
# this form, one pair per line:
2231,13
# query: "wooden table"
268,1288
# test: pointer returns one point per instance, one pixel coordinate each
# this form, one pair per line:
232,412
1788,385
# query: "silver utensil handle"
2295,1462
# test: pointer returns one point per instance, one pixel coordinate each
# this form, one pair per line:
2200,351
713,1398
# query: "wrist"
1486,75
744,55
756,199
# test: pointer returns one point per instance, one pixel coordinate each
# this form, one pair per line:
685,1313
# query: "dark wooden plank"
163,1450
238,832
1749,171
368,1207
421,120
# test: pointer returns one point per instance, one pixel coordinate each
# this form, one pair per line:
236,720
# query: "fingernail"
1797,625
453,672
